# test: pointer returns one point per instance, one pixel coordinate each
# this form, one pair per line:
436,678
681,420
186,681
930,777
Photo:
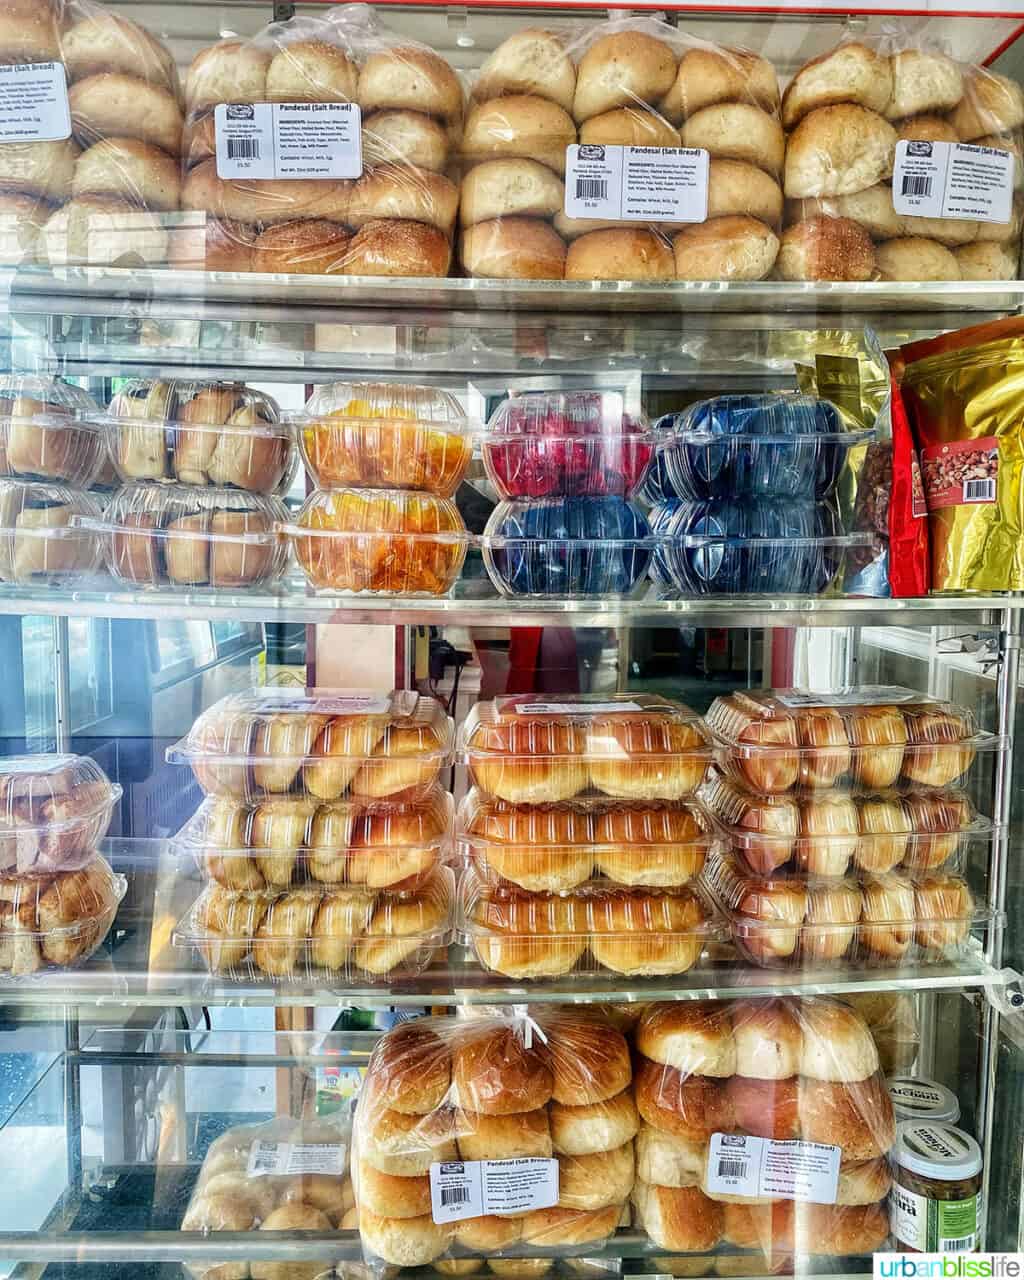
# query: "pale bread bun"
851,73
266,202
768,1039
951,232
533,62
842,1230
391,247
525,957
826,249
737,187
513,249
944,910
985,260
1006,233
991,104
311,71
134,171
829,833
731,248
390,1196
593,1127
668,1161
314,247
504,188
738,131
410,79
572,228
926,129
404,137
110,42
857,1116
550,1228
694,1037
29,32
22,217
915,258
398,191
520,126
495,1073
865,1182
871,209
216,245
682,1219
291,1217
836,151
1007,142
765,1108
923,81
620,255
403,1242
765,1227
212,1212
629,127
102,231
523,1135
488,1233
231,71
707,76
406,1145
830,924
410,1071
111,105
835,1042
596,1181
589,1060
621,70
46,169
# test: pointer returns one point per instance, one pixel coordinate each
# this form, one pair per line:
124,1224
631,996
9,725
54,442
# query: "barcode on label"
591,189
243,148
454,1195
980,490
962,1245
732,1168
915,184
263,1158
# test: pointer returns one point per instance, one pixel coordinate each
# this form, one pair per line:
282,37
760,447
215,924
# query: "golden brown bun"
488,1233
935,814
406,1145
393,844
410,1071
389,247
649,845
493,1072
944,909
689,1107
850,73
738,131
864,1183
765,1108
132,170
532,61
526,957
629,127
694,1037
596,1181
768,1039
731,248
278,831
110,105
589,1061
647,933
915,258
549,1228
398,191
315,248
343,915
779,906
822,727
46,169
283,739
403,1242
513,249
870,209
881,734
281,942
525,1134
830,924
991,104
406,78
774,769
986,261
217,245
926,129
643,756
396,764
538,848
768,1228
265,202
937,758
855,1116
110,42
828,834
842,1230
527,760
890,901
311,71
500,188
885,828
521,127
520,1268
678,1218
668,1161
593,1127
710,76
231,71
836,151
401,930
396,1196
404,137
621,70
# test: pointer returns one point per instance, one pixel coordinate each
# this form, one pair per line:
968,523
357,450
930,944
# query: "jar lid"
936,1150
914,1098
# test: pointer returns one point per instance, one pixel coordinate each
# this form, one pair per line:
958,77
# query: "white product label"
739,1164
34,103
279,1158
574,708
953,180
368,706
470,1188
267,140
933,1226
636,184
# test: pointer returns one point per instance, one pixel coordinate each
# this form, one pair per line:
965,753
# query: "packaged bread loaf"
42,537
49,430
442,1094
721,1085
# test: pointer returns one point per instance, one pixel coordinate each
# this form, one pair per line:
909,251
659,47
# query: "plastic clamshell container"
865,921
185,536
314,933
765,446
57,922
567,547
386,435
222,434
571,444
285,841
48,430
386,542
596,927
657,486
53,810
629,746
869,737
836,833
41,535
554,848
319,744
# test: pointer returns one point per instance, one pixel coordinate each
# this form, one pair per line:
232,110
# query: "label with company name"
268,140
739,1164
277,1159
933,1226
34,103
953,180
636,184
470,1188
574,708
961,474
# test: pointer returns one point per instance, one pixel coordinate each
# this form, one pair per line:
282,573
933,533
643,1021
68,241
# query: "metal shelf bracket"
986,647
1007,997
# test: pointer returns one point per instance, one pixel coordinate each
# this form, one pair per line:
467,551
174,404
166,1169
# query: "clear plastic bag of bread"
394,218
555,1089
803,1069
281,1175
844,113
624,82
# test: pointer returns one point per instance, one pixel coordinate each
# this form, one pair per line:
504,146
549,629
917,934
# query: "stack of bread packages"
323,837
582,837
58,896
386,460
764,1126
491,1136
847,836
873,187
283,177
550,195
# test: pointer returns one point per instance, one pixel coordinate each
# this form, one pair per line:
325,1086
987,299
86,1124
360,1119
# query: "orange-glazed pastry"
380,541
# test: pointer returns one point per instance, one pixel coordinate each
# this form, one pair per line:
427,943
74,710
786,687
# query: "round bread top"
500,822
768,1039
495,1073
411,1070
625,736
622,69
835,1043
937,812
533,62
589,1061
694,1037
311,71
396,825
833,904
410,78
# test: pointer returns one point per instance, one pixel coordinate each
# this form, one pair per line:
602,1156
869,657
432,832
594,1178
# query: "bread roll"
291,1217
835,1042
267,202
410,1071
885,829
315,247
643,756
406,1145
765,1108
503,1137
134,171
668,1161
231,71
777,908
768,1039
407,78
520,1268
278,831
866,1182
769,1228
889,900
282,940
730,248
738,131
657,846
709,76
842,1230
404,1242
915,258
488,1233
493,1072
1005,234
638,933
111,105
830,924
991,104
594,1127
851,73
926,129
405,928
216,245
512,249
519,127
682,1219
397,191
878,735
596,1181
855,1116
391,247
829,832
838,151
342,917
552,1228
532,61
689,1107
950,232
986,261
404,138
500,188
938,746
311,71
620,70
399,1197
694,1037
936,819
629,127
45,169
639,255
944,909
110,42
29,32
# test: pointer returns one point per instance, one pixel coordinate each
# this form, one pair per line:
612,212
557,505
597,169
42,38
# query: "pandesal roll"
101,42
682,1219
45,169
22,217
923,81
944,908
829,834
133,171
533,62
404,137
112,105
842,1230
738,131
634,932
864,1182
835,1043
856,1116
852,73
696,1038
735,247
830,923
647,754
406,1145
991,103
399,191
107,231
764,1108
524,1135
1004,234
558,1227
511,248
494,1072
688,1107
768,1038
410,1071
768,1228
838,150
707,76
950,232
29,32
826,248
253,200
404,1242
666,1160
926,129
311,71
735,187
654,845
214,245
306,247
596,1181
394,247
629,127
229,71
520,126
622,69
409,78
488,1233
878,735
915,258
620,254
504,188
589,1060
398,1197
589,1128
